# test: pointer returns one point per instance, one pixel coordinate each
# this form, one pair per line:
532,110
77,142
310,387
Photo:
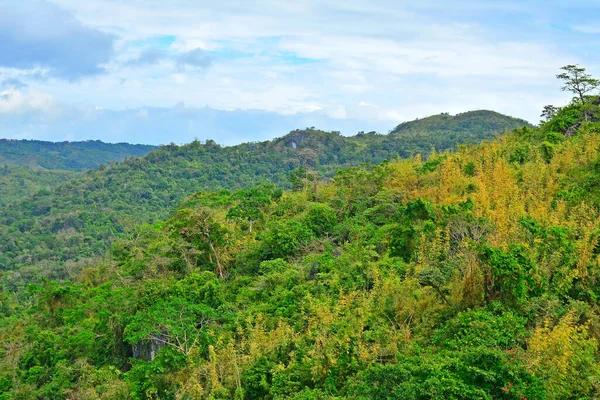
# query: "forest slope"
469,275
66,156
79,219
17,183
28,166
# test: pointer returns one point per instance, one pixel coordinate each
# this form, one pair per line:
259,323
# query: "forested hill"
78,219
19,182
470,275
440,132
445,129
28,166
66,156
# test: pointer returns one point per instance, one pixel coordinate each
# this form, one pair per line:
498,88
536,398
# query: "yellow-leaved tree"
563,357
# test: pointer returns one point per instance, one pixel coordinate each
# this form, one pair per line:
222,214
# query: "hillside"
79,219
66,156
17,183
470,275
480,122
28,166
444,130
440,132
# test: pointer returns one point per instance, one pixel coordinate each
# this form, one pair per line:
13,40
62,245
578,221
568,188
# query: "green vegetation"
444,130
66,156
17,183
30,166
470,275
78,220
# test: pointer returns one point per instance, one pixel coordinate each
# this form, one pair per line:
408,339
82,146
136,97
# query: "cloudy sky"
155,71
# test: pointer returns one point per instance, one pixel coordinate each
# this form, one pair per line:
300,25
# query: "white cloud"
35,115
15,102
38,34
408,58
365,104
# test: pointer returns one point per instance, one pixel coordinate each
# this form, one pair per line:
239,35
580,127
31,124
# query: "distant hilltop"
481,120
68,156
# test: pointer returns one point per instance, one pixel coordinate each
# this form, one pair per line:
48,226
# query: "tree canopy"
471,274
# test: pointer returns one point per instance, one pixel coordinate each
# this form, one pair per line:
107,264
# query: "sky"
155,71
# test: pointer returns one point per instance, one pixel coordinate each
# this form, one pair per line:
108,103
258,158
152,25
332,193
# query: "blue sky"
150,71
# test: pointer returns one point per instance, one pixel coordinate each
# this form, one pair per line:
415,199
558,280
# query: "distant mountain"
179,124
444,129
17,183
69,156
471,122
27,166
80,218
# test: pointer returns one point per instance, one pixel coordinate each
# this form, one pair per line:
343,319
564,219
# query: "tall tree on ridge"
577,81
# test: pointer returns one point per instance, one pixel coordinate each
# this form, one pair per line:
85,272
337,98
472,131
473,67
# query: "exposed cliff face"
307,138
148,349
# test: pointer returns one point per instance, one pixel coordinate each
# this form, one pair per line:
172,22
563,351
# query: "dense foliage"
469,275
78,220
30,166
17,183
444,130
69,156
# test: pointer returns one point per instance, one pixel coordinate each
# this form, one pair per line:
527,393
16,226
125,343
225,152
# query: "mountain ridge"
79,218
66,155
443,120
471,274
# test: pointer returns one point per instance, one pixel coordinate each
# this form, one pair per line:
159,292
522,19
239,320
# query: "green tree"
578,82
252,203
201,228
549,112
509,276
476,373
321,219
